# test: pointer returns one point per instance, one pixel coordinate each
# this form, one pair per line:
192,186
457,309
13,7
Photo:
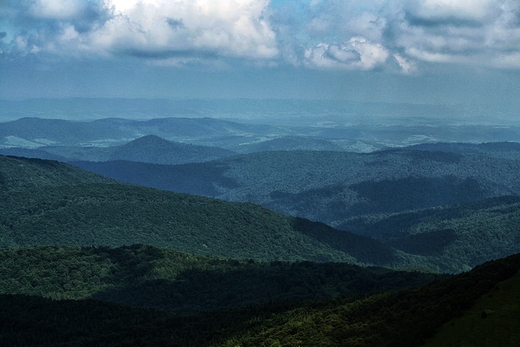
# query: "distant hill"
239,132
509,150
147,149
291,143
408,317
153,149
37,132
49,203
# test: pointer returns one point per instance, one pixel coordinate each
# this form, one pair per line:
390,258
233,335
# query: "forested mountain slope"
468,234
510,150
19,174
181,283
331,186
404,318
53,204
492,321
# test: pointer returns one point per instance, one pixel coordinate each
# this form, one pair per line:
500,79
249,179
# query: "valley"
281,232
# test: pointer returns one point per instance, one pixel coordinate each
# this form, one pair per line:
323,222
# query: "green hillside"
182,283
454,237
492,321
404,196
19,174
510,150
404,318
331,186
49,203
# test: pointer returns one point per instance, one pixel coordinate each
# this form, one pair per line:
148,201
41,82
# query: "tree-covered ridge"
328,186
19,174
455,237
147,149
492,321
510,150
153,149
399,318
49,204
67,210
182,283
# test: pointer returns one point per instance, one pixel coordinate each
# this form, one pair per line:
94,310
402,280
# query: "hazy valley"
250,230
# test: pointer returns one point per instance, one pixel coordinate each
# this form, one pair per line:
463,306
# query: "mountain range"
242,134
214,232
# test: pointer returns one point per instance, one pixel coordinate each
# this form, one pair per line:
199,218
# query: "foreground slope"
67,206
402,318
492,321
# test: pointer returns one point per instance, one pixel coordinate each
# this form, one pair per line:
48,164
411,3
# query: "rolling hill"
47,203
147,149
33,132
153,149
469,234
332,186
419,202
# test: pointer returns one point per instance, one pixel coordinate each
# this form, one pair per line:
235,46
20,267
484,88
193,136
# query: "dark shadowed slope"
178,282
404,318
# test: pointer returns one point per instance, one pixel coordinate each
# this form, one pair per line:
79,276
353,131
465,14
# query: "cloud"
160,27
480,32
356,54
393,35
57,9
145,28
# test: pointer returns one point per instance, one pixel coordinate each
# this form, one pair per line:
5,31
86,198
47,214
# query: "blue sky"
423,51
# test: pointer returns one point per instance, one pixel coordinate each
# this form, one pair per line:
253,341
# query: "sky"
413,51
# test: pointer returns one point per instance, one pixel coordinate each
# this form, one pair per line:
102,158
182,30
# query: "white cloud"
57,9
480,32
356,54
235,28
332,34
407,66
462,9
